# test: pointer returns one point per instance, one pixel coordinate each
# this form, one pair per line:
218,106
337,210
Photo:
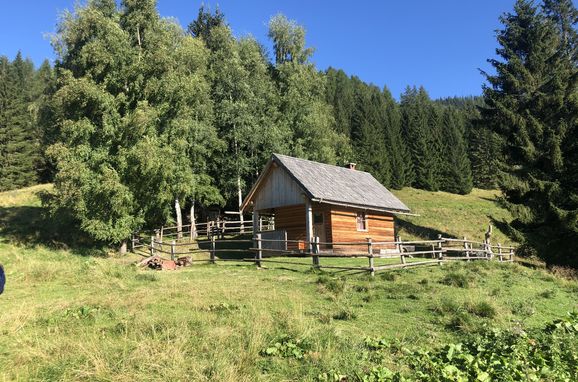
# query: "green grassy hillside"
71,312
453,215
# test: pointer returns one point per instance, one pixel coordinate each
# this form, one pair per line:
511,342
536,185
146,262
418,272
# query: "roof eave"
394,211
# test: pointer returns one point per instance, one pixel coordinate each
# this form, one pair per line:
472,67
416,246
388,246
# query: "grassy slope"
452,215
65,316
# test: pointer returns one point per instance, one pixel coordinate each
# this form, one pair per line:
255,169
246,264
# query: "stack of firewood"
158,263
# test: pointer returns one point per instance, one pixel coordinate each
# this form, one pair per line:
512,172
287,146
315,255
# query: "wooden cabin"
337,204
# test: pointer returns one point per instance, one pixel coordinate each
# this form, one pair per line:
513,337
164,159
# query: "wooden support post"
401,256
191,233
309,223
132,240
511,255
398,244
161,234
213,248
500,252
259,254
315,254
173,243
152,246
466,247
370,256
441,249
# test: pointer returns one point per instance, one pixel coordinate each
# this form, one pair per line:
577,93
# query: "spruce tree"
531,103
457,175
420,135
19,145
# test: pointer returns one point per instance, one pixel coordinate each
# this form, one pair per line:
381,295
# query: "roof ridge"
320,163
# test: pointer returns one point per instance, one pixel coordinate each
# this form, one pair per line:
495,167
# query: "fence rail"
262,249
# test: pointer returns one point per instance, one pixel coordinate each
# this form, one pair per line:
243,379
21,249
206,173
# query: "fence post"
466,247
401,256
161,234
132,242
370,256
259,250
173,250
398,243
315,254
499,252
152,245
511,255
213,249
441,249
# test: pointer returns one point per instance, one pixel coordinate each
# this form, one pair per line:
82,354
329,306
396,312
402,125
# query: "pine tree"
419,123
339,94
457,175
397,152
367,131
19,146
531,104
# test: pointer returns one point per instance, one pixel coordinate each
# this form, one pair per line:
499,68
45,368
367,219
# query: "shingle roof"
334,184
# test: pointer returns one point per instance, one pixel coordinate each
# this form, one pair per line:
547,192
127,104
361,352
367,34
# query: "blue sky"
438,44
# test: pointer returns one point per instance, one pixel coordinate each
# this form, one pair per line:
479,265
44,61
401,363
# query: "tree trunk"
179,219
122,248
193,222
240,203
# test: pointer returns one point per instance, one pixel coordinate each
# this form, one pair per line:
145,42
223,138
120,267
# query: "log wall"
380,228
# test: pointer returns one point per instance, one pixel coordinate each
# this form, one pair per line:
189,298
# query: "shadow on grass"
230,248
31,226
421,231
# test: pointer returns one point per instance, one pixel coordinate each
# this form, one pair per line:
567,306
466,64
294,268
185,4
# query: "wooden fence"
262,249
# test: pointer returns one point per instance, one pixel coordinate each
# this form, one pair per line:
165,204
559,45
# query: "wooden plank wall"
277,190
292,220
380,227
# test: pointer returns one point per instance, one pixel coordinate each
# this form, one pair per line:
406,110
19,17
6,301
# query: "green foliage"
288,347
531,104
20,151
128,126
517,355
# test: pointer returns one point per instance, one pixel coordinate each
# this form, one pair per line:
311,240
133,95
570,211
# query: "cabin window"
361,221
318,218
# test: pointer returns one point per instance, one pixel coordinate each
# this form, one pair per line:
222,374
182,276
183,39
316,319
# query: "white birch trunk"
179,219
240,203
193,222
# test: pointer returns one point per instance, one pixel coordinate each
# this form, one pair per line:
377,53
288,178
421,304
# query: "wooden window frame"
363,220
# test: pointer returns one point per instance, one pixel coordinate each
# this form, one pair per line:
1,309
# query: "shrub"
332,284
458,279
345,314
483,309
288,347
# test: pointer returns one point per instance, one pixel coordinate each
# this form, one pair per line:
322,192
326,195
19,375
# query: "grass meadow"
72,311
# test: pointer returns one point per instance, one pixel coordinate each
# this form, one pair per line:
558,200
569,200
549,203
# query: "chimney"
351,166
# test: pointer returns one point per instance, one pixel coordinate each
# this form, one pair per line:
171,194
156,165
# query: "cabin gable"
278,189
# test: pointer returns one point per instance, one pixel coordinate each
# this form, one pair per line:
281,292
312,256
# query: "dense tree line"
140,119
22,88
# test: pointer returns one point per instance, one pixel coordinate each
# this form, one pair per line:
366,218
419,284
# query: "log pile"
158,263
